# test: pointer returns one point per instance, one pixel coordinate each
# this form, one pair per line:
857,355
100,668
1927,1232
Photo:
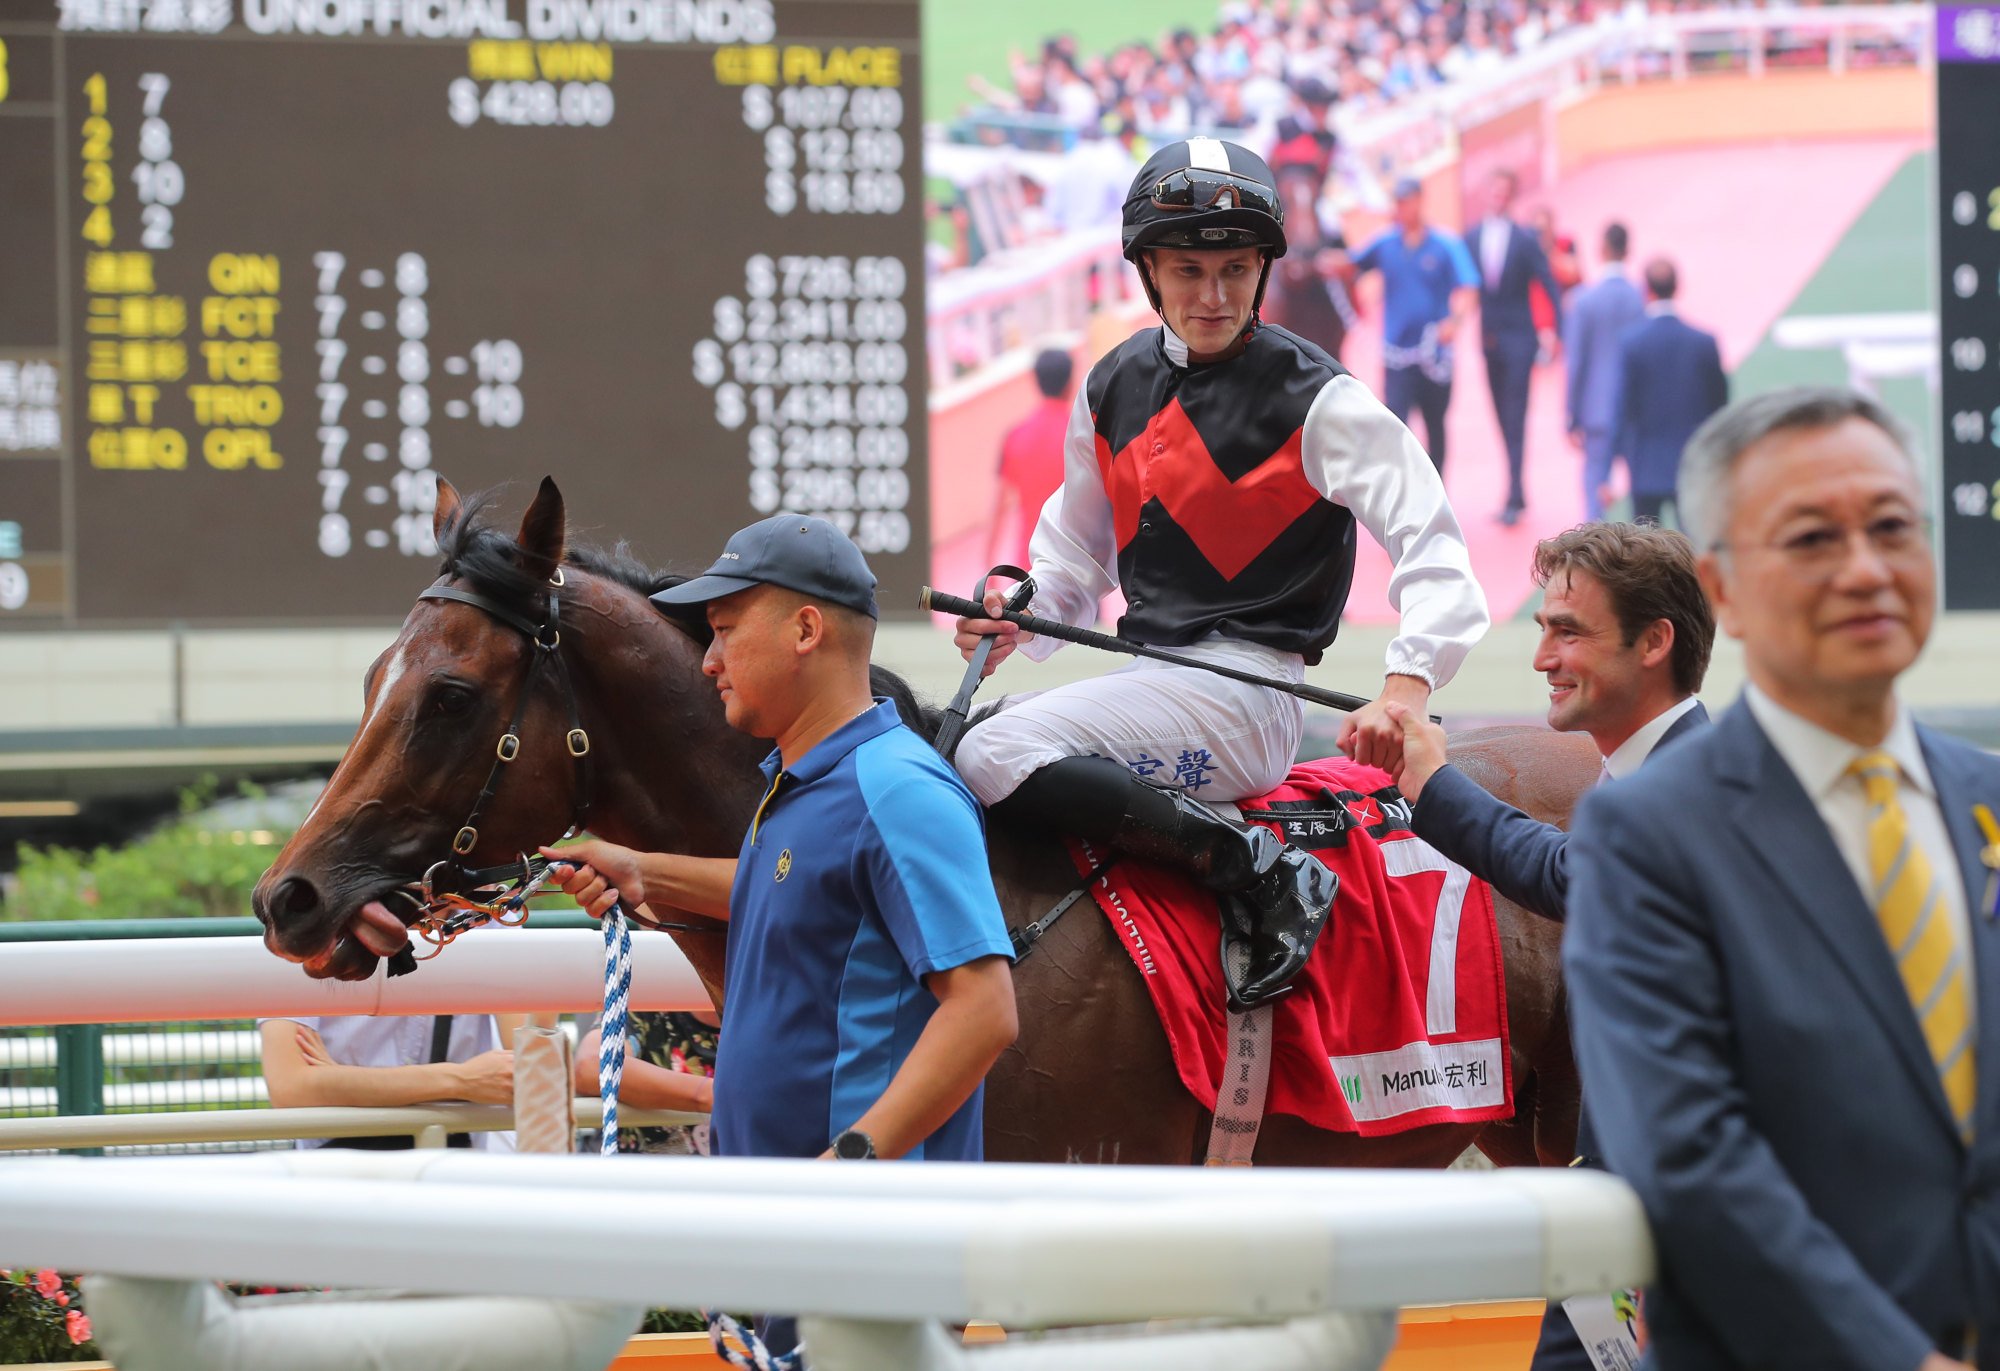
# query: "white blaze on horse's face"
391,674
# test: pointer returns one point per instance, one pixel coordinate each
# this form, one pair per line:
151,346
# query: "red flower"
47,1283
61,1297
77,1324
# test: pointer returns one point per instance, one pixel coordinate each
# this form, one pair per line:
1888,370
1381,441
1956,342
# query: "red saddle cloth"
1400,1017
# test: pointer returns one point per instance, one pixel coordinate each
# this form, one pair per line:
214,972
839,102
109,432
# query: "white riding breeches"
1180,726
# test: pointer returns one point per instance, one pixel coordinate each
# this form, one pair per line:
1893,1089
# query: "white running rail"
1277,1269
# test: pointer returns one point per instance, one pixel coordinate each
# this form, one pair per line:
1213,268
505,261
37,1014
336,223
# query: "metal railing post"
80,1073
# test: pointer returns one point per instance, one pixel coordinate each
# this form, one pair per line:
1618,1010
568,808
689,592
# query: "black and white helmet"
1204,193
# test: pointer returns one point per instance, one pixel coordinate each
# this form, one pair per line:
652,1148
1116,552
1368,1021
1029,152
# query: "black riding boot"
1275,898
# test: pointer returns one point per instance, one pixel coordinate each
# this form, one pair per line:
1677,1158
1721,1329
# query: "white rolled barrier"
489,971
180,1325
874,1257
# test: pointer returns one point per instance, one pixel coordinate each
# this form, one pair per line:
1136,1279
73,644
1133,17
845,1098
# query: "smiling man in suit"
1626,633
1780,937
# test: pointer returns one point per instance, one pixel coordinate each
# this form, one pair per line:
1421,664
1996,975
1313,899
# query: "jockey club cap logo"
784,867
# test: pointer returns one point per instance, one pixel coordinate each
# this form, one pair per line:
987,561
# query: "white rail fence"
182,979
1256,1269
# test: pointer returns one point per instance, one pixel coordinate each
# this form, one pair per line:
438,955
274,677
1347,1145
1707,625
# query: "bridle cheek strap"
545,640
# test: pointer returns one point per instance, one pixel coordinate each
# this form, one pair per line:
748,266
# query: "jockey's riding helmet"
1203,194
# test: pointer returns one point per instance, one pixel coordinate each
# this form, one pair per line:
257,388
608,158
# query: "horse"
1090,1078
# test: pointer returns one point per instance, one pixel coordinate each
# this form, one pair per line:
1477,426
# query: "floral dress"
677,1042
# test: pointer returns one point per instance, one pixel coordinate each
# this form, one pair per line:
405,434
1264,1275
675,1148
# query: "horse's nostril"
294,898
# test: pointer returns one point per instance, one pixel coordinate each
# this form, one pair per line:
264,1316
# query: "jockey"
1215,468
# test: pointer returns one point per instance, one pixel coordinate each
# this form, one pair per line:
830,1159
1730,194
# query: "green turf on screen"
1880,265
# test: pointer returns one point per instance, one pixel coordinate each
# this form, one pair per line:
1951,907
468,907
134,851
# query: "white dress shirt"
1820,760
403,1040
1356,454
1493,239
1625,758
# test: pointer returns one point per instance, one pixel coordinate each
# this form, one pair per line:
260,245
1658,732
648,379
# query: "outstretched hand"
1370,736
598,875
1423,750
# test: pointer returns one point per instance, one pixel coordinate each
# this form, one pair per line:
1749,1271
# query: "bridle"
453,897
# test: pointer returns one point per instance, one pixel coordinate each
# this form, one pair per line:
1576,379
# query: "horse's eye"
451,699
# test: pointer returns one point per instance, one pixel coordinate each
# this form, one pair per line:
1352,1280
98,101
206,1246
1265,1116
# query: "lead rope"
754,1356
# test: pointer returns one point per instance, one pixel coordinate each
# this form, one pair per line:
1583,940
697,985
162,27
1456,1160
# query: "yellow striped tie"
1909,904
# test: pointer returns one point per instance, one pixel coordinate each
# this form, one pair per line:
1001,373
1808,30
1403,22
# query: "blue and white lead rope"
617,1023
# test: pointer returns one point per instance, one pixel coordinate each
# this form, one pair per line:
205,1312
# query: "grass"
962,37
1880,265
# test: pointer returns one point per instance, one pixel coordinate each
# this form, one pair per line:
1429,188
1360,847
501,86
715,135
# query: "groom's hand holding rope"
597,875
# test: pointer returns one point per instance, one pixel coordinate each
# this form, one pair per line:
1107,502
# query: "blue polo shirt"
1417,282
864,871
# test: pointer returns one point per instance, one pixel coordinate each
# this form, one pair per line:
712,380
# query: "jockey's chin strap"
452,896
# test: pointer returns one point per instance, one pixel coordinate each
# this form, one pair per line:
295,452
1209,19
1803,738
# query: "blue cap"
795,551
1407,186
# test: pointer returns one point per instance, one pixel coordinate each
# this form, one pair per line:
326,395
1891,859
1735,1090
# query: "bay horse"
1090,1078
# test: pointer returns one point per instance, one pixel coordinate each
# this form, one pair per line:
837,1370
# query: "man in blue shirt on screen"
867,981
1429,287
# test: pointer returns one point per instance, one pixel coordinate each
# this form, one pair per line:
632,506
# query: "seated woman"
390,1060
669,1064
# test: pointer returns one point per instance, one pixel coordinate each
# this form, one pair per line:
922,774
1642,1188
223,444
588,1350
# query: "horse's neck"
670,774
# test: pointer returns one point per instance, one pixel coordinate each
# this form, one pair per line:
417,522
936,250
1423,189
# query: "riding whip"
939,601
955,713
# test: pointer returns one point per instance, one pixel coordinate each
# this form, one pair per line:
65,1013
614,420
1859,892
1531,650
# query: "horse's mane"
473,549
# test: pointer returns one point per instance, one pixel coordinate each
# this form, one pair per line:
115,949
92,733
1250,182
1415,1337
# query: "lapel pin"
1989,856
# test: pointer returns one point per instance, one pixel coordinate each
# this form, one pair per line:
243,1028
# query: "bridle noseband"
448,898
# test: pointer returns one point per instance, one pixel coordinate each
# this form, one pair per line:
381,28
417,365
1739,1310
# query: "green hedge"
184,869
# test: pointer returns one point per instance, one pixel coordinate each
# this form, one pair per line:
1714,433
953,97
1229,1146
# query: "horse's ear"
446,509
544,529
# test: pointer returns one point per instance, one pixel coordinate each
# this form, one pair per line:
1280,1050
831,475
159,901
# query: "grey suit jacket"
1593,325
1756,1072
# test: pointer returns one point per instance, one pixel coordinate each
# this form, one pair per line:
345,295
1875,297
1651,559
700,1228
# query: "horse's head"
439,703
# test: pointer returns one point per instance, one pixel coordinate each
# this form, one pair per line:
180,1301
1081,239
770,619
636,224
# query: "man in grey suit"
1780,933
1626,633
1596,319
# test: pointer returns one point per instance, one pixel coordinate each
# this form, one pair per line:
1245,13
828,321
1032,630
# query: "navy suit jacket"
1594,327
1504,312
1670,378
1524,859
1757,1075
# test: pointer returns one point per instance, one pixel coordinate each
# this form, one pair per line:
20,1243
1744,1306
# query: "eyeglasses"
1820,550
1194,188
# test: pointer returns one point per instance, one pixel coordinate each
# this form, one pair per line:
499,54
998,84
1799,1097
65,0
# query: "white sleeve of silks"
1360,455
1073,555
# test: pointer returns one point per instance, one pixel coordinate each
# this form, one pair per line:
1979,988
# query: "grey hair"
1701,496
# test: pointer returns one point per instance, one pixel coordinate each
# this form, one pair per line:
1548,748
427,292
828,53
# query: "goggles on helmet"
1193,188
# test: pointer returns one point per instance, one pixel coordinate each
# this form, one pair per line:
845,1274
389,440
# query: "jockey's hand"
598,874
970,631
1370,736
1423,750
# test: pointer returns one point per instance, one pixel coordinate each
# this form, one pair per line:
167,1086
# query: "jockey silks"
1217,528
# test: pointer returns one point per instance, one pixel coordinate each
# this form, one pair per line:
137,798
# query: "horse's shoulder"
1535,769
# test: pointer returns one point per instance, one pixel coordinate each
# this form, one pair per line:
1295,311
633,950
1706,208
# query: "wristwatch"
854,1146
